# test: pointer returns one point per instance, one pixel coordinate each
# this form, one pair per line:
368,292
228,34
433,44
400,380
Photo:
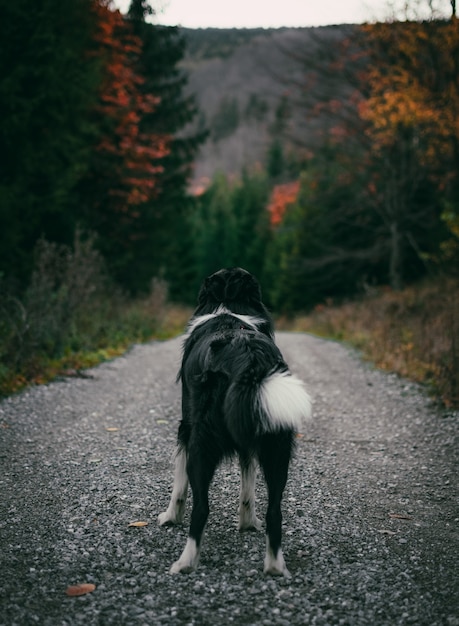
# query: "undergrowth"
414,332
72,317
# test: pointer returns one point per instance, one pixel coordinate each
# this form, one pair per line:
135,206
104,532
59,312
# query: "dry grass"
414,332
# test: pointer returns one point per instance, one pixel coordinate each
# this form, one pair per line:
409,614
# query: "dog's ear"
242,286
230,285
212,289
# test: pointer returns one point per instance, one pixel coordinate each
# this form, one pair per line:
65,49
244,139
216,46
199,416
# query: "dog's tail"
283,402
256,405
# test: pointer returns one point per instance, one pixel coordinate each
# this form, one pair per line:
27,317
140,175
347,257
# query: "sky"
263,13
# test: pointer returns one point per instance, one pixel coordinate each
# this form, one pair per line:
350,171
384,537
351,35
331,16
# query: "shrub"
71,315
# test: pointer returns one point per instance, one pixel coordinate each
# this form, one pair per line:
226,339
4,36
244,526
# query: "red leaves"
281,197
130,153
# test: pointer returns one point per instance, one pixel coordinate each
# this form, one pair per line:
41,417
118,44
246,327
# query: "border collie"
238,397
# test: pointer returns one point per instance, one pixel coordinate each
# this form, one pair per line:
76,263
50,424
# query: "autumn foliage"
413,84
281,197
133,154
380,192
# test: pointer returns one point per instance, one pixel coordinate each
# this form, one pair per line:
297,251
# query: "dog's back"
235,379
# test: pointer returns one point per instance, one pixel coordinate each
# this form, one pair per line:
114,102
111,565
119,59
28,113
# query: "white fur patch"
284,401
176,509
188,560
275,565
247,516
247,320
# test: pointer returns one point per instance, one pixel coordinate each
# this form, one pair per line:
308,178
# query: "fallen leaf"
80,590
138,524
399,516
111,429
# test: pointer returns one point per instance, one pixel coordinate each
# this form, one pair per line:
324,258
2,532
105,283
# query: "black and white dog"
238,397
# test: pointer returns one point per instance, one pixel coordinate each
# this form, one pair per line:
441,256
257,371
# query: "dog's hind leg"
200,472
176,509
274,455
247,516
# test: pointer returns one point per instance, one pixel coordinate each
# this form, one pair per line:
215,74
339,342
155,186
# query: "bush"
71,315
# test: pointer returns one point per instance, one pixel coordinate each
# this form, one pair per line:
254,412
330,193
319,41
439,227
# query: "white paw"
171,516
181,567
165,519
273,570
188,560
275,565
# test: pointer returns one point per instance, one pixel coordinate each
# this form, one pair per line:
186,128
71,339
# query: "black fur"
225,361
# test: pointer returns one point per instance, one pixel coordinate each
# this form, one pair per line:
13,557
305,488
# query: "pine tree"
126,160
48,85
168,242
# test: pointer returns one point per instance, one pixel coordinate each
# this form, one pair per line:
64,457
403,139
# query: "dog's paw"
181,567
275,565
174,514
188,560
273,570
166,519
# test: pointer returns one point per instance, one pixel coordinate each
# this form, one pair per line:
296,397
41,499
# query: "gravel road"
370,510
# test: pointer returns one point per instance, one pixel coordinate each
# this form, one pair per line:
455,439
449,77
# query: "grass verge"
41,368
414,332
71,317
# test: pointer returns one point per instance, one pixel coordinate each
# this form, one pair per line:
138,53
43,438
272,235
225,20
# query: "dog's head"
238,291
229,287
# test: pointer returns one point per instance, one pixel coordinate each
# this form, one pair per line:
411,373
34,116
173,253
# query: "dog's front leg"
189,558
176,509
247,516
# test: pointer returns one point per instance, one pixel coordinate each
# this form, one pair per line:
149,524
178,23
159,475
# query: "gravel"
370,510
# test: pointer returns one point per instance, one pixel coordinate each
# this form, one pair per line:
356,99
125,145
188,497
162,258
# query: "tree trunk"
395,262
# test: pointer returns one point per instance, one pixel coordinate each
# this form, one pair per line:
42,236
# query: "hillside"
245,82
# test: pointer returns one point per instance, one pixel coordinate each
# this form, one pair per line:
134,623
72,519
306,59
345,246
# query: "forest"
104,238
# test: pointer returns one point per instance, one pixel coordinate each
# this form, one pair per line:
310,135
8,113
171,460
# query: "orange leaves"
123,103
412,82
281,197
80,589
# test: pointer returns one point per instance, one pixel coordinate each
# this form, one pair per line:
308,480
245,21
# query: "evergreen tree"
48,85
215,229
231,227
166,249
123,180
328,243
275,160
249,199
